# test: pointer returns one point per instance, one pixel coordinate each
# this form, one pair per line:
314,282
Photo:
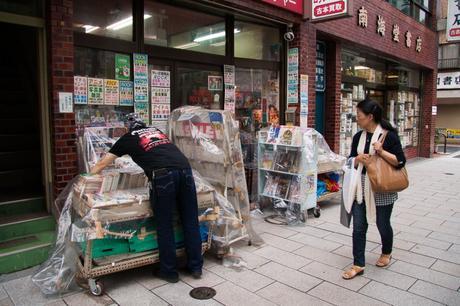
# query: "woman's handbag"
383,176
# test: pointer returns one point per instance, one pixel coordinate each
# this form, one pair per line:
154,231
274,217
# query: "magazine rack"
287,163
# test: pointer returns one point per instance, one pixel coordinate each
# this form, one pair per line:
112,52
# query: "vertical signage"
293,76
320,66
453,20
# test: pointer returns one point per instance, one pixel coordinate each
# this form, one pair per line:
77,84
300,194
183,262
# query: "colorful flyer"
141,90
161,112
122,67
140,66
126,93
160,78
80,90
293,76
229,98
160,95
142,109
95,91
215,83
111,92
229,74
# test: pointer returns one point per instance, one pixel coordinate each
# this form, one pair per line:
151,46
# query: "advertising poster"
122,67
293,76
141,90
111,92
140,66
95,91
229,98
304,100
142,108
161,112
80,90
126,93
65,102
229,75
160,95
160,78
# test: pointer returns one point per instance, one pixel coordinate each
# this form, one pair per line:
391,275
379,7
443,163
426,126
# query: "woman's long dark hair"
370,107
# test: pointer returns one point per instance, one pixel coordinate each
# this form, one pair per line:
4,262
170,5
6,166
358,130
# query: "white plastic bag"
350,183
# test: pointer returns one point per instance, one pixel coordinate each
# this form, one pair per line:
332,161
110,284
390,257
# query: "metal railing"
449,63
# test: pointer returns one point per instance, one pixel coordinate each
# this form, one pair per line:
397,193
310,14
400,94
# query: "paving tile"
286,296
423,240
446,267
208,279
391,278
407,256
452,225
315,242
399,244
275,230
445,237
252,260
336,228
22,291
440,228
288,276
3,294
436,293
147,280
7,302
131,293
427,220
178,294
281,243
312,231
340,296
231,295
444,255
348,241
62,303
333,275
252,281
426,274
394,296
327,258
346,251
403,221
287,259
87,299
455,248
410,229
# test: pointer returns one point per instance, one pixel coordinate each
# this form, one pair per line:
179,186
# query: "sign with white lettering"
449,80
328,9
453,20
295,6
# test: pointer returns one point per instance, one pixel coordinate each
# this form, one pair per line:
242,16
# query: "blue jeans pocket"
164,184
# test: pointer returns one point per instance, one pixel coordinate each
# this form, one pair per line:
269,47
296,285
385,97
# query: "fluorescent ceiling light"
90,28
214,35
392,77
187,46
124,23
361,68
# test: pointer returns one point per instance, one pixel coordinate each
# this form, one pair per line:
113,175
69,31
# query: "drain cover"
448,173
203,293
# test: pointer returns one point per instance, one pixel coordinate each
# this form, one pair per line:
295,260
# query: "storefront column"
305,40
428,120
64,151
333,94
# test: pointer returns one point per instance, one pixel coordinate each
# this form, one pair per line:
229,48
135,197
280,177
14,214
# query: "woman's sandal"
383,261
353,272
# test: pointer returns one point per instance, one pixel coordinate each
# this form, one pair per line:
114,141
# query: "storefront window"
105,18
25,7
369,70
256,41
403,112
201,87
180,28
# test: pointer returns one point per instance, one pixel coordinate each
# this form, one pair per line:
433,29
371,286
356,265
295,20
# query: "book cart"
287,163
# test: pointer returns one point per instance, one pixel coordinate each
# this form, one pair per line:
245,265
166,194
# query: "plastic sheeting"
210,139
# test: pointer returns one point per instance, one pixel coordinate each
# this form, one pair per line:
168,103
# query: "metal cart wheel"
317,212
96,287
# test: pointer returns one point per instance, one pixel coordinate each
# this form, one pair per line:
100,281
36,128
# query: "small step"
26,251
20,204
27,224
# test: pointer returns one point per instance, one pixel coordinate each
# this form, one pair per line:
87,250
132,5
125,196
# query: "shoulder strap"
384,137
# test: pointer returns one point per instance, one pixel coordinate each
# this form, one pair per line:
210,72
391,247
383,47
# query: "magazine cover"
282,187
267,159
294,191
271,185
284,160
295,168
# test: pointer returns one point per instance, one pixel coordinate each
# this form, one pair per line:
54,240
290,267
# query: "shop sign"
320,66
329,9
449,80
381,25
453,20
293,76
434,110
396,33
295,6
362,17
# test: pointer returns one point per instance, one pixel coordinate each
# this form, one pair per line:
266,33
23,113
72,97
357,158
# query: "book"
282,187
290,135
284,160
271,184
267,159
294,191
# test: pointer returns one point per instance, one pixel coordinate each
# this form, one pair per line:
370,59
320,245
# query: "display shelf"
278,198
279,144
281,172
328,195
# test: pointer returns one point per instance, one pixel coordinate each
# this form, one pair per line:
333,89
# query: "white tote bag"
350,182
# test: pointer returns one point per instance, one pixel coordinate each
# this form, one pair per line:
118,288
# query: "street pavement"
302,265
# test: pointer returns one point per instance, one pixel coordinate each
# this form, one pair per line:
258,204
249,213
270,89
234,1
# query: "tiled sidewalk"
303,265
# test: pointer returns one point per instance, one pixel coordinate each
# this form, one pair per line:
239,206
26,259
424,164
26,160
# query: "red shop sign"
295,6
329,9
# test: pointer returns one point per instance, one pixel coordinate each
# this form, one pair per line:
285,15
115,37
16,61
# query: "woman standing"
369,205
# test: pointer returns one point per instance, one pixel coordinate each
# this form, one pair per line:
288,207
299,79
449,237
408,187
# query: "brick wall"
60,58
428,121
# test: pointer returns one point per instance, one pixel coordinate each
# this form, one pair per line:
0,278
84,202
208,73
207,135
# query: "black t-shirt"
392,144
151,150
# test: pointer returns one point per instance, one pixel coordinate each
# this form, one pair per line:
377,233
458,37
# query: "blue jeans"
360,229
176,188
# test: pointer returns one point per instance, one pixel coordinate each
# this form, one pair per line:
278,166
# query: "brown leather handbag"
383,176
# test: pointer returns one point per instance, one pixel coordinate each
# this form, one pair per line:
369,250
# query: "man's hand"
104,162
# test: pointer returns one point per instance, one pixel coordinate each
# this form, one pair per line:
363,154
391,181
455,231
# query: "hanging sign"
80,90
295,6
293,76
111,92
453,21
126,93
329,9
449,80
95,91
122,67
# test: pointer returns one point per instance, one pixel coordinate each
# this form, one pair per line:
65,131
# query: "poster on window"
160,78
95,91
161,112
126,93
80,90
304,100
215,83
229,98
111,92
140,66
160,95
65,102
141,90
293,76
122,67
142,109
229,74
